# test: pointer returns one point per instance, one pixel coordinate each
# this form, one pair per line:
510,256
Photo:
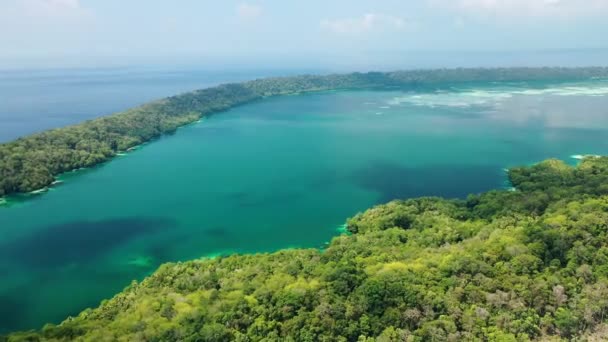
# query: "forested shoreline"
521,265
529,264
33,162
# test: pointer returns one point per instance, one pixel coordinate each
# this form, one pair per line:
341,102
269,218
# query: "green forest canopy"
529,264
31,163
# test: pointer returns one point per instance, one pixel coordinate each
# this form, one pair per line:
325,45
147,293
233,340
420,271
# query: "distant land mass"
32,163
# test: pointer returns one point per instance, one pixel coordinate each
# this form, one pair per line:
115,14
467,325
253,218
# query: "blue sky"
41,33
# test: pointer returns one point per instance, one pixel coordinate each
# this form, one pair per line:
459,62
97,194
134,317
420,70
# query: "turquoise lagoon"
279,173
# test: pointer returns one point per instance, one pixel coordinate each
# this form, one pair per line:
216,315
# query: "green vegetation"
33,162
530,264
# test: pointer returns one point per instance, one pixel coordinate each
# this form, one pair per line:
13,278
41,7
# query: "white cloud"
246,11
367,23
564,8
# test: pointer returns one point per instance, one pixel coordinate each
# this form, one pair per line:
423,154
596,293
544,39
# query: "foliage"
530,264
31,163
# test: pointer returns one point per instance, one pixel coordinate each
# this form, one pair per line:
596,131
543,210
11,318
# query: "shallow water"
283,172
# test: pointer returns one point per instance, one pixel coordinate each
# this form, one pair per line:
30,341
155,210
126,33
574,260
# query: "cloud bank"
561,8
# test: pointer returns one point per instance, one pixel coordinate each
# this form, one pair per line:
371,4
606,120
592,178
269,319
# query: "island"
32,163
520,264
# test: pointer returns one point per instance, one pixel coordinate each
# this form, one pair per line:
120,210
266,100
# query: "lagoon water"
283,172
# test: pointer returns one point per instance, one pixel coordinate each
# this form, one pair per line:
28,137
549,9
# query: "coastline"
116,134
580,157
142,262
6,200
375,234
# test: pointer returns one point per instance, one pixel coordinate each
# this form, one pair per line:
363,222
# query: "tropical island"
521,265
528,263
32,163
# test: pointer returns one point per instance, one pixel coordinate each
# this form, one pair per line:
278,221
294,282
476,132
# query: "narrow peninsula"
32,163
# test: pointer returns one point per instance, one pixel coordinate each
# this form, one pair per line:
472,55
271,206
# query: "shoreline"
580,157
164,117
376,236
5,200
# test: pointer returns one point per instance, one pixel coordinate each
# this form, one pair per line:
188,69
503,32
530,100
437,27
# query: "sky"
66,33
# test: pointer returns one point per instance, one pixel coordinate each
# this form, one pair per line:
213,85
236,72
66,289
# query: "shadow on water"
394,181
79,241
167,249
21,308
12,312
217,232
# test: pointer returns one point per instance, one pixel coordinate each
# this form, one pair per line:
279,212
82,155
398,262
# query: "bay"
284,172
